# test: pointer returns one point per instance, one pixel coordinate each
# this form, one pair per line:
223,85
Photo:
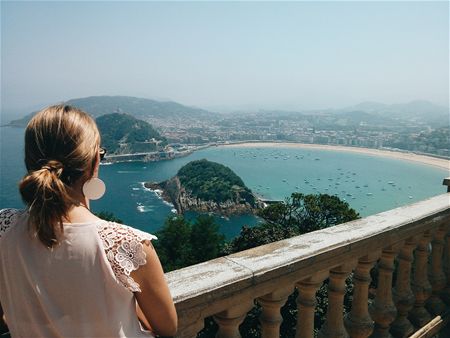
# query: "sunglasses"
102,152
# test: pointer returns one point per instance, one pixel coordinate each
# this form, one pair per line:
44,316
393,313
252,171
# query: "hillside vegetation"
123,133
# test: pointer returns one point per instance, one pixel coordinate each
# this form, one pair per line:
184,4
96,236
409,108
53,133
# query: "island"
205,186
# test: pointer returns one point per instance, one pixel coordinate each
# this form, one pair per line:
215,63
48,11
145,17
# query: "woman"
63,271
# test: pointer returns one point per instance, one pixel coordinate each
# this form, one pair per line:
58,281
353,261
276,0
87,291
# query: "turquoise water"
370,184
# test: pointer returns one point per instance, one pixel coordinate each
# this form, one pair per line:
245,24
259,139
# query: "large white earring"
94,188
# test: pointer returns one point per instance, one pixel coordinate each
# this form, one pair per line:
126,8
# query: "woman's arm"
142,318
155,300
3,326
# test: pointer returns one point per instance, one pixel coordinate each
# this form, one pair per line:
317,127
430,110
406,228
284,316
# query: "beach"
428,160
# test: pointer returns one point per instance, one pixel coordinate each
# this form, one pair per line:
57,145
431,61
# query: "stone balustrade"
410,243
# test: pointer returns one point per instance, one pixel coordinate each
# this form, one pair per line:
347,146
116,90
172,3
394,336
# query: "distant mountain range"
138,107
414,110
422,111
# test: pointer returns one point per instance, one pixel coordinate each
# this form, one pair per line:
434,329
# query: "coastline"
412,157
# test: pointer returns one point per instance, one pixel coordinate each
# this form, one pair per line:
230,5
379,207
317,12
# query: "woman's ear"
96,165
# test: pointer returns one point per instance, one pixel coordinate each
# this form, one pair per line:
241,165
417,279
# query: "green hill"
138,107
211,181
123,133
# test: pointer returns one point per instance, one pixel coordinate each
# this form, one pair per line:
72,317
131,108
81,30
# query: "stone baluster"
271,316
446,292
306,304
358,322
383,309
334,323
230,319
437,276
421,287
189,325
402,293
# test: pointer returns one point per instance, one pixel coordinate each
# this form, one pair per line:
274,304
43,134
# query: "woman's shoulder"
124,250
8,218
118,232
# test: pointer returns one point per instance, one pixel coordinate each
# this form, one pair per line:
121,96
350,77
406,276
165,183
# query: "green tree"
206,240
173,244
251,237
308,213
182,243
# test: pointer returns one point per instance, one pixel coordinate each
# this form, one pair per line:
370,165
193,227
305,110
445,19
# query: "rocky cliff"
237,199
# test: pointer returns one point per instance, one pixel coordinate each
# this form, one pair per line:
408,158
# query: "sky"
226,55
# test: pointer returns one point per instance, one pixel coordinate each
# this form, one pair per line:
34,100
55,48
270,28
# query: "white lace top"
124,250
81,288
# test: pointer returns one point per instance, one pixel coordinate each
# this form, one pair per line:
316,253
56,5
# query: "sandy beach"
428,160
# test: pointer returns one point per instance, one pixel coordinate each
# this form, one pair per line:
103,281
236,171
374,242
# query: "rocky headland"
207,187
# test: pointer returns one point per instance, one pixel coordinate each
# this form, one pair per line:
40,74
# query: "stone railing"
412,241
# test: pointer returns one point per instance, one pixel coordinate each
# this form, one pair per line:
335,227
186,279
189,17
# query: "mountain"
419,110
125,134
138,107
206,186
360,117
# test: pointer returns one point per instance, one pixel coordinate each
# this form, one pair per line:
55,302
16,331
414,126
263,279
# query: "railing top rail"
301,256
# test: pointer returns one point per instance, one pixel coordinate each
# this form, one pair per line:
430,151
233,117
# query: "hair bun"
54,166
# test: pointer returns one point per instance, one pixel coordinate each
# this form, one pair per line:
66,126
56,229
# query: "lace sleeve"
7,219
124,250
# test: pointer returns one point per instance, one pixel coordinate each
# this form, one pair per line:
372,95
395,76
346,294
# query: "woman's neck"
80,212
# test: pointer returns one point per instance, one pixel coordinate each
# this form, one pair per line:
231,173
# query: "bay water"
370,184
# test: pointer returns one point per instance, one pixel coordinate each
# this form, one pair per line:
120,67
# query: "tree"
206,240
173,244
251,237
182,243
308,213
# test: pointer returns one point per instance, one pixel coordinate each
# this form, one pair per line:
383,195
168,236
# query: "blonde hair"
61,147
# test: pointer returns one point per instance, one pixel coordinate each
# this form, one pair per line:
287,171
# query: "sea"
370,184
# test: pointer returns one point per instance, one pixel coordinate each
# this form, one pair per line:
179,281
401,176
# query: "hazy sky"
226,54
